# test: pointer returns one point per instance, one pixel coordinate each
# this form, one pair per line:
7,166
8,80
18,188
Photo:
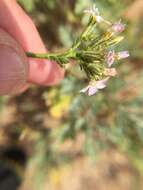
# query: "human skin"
18,34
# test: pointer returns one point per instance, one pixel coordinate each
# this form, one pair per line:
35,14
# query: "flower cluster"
107,57
93,52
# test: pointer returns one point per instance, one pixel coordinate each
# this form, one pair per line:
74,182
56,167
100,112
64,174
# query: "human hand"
17,35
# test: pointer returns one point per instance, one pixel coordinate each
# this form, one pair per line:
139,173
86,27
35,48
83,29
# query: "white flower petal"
84,90
92,90
123,54
102,83
99,19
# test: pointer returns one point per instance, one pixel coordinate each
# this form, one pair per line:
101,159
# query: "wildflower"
94,86
118,27
122,55
91,50
95,13
110,72
110,58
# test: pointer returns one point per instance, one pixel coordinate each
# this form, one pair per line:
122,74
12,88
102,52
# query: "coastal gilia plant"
93,53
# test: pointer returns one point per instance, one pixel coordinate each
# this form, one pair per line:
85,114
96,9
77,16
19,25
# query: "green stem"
61,58
68,54
42,55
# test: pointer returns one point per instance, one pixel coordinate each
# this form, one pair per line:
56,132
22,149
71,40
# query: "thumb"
13,65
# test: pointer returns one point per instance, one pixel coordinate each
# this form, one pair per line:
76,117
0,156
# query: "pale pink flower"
123,55
110,58
89,90
94,86
118,27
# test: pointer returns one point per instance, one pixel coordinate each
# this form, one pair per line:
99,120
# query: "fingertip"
44,72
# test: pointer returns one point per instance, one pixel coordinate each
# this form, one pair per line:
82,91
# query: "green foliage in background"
114,117
123,127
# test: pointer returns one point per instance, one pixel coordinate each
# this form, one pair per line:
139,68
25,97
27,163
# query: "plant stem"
61,58
42,55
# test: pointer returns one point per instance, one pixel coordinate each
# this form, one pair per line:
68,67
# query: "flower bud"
110,58
118,27
110,72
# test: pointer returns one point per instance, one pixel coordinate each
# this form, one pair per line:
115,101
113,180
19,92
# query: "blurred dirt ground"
111,172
